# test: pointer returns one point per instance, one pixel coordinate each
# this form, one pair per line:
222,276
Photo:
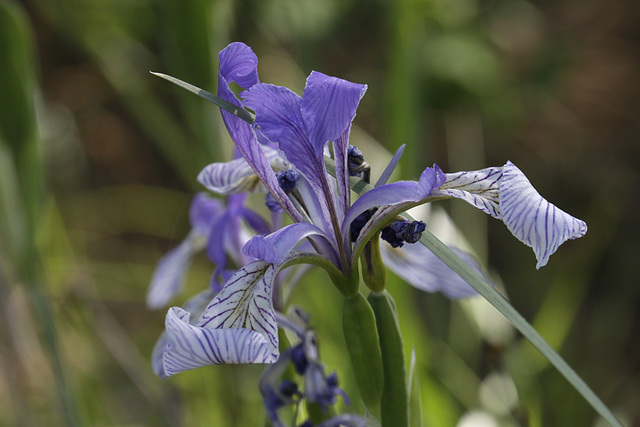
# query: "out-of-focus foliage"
98,162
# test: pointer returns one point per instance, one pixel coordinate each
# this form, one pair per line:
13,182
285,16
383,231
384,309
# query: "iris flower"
239,325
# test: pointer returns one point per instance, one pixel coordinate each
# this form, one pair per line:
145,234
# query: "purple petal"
386,174
275,247
341,156
157,355
279,118
203,212
532,219
193,347
328,106
419,267
168,276
239,64
396,193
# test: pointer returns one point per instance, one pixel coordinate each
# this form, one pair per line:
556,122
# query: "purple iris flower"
293,132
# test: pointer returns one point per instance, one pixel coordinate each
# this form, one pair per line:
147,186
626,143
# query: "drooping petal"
157,355
478,188
237,175
328,107
532,219
275,247
193,347
245,301
419,267
195,306
506,193
168,276
238,326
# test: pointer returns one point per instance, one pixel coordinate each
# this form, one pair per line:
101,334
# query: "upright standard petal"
532,219
239,326
239,64
328,107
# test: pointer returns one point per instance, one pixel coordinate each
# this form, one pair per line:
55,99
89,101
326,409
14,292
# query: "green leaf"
226,105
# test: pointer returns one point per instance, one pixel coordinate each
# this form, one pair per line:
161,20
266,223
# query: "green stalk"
360,333
395,401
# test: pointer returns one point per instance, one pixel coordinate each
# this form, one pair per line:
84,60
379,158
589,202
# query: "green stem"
472,277
361,336
395,401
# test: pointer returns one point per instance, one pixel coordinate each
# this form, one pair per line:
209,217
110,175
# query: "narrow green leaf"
226,105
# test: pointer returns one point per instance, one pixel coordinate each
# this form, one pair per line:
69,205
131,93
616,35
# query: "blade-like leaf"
233,109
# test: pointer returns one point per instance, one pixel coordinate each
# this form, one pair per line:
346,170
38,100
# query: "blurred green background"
98,161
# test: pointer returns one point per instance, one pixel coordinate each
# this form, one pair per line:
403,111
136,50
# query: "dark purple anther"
403,231
288,179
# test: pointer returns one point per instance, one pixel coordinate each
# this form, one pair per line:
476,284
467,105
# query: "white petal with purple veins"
532,219
505,193
192,347
238,326
237,176
419,267
478,188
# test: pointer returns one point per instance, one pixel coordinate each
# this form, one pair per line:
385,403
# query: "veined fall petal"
532,219
506,193
422,269
237,176
238,326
